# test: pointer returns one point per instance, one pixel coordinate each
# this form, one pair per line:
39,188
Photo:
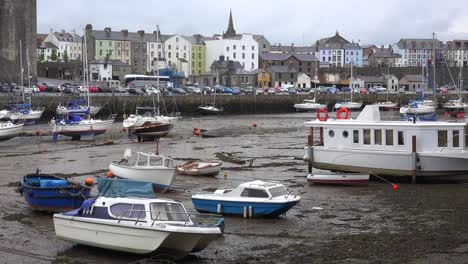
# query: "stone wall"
17,22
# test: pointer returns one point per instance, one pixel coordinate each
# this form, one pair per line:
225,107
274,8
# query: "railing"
179,219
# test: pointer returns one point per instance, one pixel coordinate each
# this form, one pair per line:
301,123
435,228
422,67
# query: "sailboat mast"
22,70
351,80
434,67
85,69
157,57
28,67
461,82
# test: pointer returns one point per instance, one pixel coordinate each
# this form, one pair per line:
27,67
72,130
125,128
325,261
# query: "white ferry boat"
393,148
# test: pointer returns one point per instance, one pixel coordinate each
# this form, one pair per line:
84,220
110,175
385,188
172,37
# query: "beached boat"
309,105
210,110
77,108
418,108
53,194
200,168
348,104
9,130
148,167
76,127
26,113
137,224
393,148
150,130
253,199
5,114
352,179
388,105
150,114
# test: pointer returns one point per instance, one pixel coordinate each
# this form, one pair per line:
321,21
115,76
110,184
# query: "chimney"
108,31
89,28
141,33
125,32
63,32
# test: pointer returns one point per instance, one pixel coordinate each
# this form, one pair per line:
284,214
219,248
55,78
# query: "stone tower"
18,21
230,32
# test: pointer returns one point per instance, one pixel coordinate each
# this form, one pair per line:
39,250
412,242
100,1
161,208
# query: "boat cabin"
145,159
256,189
368,132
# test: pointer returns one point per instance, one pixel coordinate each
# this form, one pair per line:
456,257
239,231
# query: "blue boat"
50,193
250,199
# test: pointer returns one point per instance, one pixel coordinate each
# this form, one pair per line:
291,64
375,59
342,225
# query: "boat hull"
61,110
85,129
204,171
162,178
350,105
209,111
237,207
31,116
339,179
5,114
10,131
308,107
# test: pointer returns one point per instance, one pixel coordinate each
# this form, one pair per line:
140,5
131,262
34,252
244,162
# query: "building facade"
69,45
412,83
418,52
456,53
338,52
104,70
177,53
302,63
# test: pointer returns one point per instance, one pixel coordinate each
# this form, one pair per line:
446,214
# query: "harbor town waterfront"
233,132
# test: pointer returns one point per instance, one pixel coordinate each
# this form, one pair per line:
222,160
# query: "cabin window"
156,161
366,137
442,138
401,138
378,137
355,136
345,134
254,193
389,137
142,161
331,133
168,212
456,139
131,211
278,191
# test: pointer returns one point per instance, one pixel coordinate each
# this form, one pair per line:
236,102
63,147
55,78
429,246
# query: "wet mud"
422,223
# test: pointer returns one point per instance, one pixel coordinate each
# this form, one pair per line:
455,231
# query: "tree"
65,56
53,56
174,66
41,57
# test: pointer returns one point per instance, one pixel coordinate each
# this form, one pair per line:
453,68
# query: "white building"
242,48
303,80
65,41
155,52
177,51
417,52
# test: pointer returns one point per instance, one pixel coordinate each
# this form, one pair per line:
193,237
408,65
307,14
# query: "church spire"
230,32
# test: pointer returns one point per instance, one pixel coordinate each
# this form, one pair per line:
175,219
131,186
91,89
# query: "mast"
434,67
85,71
28,67
157,65
22,70
461,82
351,80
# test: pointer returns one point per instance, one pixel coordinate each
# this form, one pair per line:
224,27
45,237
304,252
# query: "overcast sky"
286,21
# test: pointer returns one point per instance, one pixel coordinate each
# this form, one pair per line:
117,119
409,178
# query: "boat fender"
250,211
339,114
219,209
245,212
109,174
324,117
89,181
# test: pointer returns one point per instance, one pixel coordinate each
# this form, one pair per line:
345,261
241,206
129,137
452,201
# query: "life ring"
320,117
341,111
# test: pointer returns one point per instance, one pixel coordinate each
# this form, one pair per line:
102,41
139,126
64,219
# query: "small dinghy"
127,217
200,168
148,167
250,199
352,179
53,194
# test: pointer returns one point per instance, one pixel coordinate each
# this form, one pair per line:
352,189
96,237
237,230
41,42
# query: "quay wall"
187,105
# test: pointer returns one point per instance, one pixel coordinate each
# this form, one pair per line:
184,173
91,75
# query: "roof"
112,62
107,34
413,78
371,79
67,37
384,53
48,45
419,44
285,56
292,48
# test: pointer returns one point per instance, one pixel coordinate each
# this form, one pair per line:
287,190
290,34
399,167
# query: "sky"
301,22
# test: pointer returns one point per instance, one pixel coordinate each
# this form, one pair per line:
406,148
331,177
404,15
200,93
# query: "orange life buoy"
320,117
341,111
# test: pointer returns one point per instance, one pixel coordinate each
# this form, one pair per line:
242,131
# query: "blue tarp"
53,183
125,188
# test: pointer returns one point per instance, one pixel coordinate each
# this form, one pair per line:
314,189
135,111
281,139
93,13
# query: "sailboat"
79,107
350,104
456,107
74,125
310,104
24,111
211,109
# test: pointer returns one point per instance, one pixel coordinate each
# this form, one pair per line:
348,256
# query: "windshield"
278,191
168,212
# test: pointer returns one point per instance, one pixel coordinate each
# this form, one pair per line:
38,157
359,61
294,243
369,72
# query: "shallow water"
417,223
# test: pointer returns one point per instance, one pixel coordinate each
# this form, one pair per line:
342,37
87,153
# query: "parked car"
120,90
71,90
259,91
271,91
152,90
380,89
41,87
372,90
93,89
206,89
292,90
193,90
443,90
332,90
283,90
363,91
248,90
236,90
345,89
320,90
135,91
178,91
227,90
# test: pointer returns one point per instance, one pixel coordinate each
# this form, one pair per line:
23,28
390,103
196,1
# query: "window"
243,55
254,193
169,47
442,138
193,56
185,55
243,47
177,55
168,212
292,75
389,137
356,136
132,211
366,137
345,134
100,43
176,39
168,54
156,161
199,64
331,133
234,47
152,54
278,191
234,55
193,64
227,48
199,56
280,75
253,56
456,138
378,137
401,138
253,47
185,47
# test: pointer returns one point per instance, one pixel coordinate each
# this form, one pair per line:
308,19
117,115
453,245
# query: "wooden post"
413,150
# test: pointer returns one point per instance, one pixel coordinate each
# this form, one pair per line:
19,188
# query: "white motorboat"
210,110
137,225
148,167
351,179
150,114
368,144
418,108
8,130
387,105
348,104
253,199
309,105
5,114
455,106
201,168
